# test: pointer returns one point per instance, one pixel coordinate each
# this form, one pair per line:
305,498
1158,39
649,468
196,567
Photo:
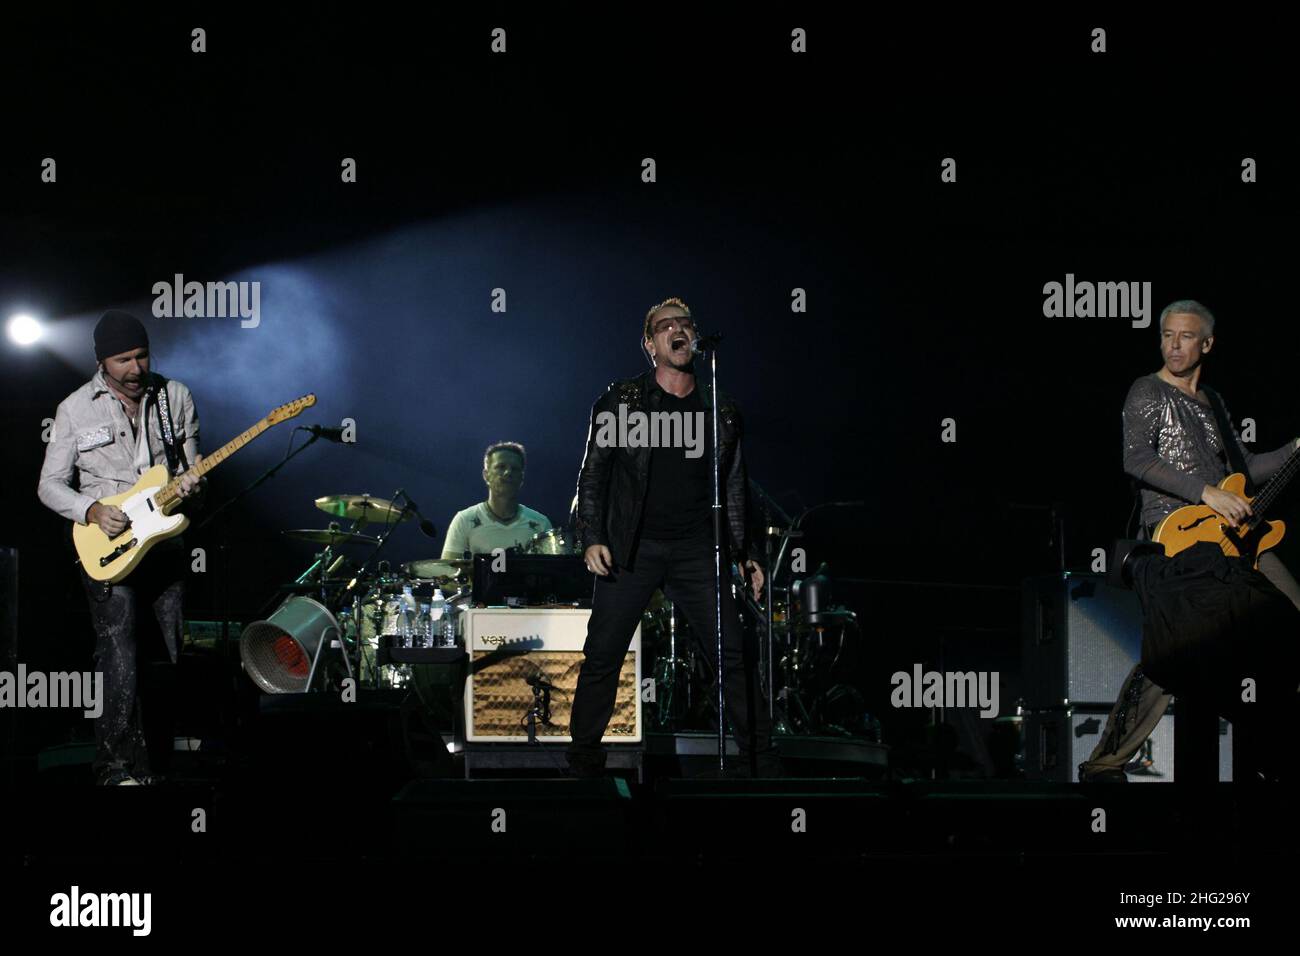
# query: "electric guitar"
148,505
1185,527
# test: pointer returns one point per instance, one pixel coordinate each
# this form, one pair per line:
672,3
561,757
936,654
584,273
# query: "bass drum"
555,541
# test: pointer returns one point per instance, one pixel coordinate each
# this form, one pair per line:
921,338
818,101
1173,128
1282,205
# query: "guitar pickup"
117,552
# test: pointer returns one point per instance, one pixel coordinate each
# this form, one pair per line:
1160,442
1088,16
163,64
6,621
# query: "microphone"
538,680
328,432
706,343
426,526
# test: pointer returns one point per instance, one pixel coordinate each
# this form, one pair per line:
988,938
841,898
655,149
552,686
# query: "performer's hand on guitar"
754,573
1231,506
190,481
111,519
599,560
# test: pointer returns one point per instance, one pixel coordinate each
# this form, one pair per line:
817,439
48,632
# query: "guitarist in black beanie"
106,434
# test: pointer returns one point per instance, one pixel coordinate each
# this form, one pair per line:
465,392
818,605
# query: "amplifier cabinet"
507,646
1080,637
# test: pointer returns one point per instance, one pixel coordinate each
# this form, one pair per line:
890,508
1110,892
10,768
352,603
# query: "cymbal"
436,567
330,536
362,508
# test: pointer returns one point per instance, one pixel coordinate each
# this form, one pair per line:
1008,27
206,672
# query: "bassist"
1174,449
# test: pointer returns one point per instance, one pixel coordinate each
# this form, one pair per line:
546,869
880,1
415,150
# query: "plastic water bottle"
449,626
424,628
437,612
409,628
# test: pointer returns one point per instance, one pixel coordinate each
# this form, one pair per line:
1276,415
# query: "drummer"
501,521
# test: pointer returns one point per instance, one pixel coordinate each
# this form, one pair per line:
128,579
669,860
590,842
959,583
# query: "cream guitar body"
149,505
1185,527
112,559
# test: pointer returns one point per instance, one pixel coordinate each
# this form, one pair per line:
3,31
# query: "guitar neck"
170,492
1276,485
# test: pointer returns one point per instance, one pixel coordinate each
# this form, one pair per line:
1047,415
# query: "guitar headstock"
290,410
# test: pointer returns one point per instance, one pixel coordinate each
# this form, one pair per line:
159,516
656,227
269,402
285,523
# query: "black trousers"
1142,703
124,616
684,570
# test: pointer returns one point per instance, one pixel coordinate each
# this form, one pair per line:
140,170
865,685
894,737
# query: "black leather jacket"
613,482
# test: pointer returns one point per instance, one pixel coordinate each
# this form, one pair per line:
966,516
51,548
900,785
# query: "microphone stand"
257,482
717,562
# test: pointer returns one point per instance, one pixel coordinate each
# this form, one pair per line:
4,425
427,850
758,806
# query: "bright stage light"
24,330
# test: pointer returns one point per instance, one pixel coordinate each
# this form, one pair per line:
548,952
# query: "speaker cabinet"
508,646
1080,637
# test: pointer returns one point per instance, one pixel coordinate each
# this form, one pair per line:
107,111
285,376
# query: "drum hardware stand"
771,533
674,663
322,567
796,715
668,675
358,615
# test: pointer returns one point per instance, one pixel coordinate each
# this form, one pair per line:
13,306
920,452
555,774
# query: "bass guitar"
1192,523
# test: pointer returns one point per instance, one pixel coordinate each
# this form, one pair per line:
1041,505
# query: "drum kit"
797,669
368,606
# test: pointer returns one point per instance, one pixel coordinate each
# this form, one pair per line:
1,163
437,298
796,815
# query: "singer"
643,518
106,434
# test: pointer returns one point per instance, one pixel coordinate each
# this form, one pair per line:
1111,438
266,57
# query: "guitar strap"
1236,460
175,452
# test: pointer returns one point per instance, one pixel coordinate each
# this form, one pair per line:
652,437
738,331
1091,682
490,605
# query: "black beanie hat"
118,332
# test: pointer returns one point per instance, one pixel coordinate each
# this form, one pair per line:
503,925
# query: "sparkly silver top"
1173,448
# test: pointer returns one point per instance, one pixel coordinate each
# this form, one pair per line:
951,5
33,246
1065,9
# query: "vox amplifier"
507,647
